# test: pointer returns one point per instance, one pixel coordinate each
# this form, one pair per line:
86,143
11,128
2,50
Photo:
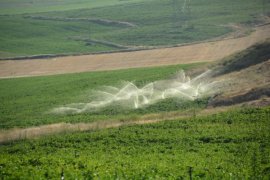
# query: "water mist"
130,96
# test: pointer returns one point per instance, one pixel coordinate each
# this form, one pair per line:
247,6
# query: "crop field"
231,145
34,6
187,54
65,27
134,89
27,101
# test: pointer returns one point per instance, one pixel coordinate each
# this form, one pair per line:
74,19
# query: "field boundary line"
58,128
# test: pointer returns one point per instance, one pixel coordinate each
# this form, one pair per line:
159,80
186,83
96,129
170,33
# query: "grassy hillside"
231,145
85,27
27,101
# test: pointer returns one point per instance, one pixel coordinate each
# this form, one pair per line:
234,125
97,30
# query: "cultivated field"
41,94
64,27
222,146
156,89
171,139
202,52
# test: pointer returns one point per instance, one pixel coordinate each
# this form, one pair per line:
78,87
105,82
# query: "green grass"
230,145
9,7
27,101
47,37
158,23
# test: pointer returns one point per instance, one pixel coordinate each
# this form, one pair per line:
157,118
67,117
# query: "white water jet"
185,4
130,96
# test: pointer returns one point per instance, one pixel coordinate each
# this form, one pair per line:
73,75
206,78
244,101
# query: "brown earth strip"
202,52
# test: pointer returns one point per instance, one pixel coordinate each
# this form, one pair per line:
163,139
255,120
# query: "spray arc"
130,96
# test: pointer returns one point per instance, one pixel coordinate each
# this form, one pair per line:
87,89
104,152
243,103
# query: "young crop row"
28,101
229,145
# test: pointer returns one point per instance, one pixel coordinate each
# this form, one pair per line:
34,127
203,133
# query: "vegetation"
229,145
66,27
27,101
8,7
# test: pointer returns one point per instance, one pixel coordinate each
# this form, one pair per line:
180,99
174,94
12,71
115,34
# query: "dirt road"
208,51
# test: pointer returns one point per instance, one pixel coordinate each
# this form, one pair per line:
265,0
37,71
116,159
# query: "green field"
185,140
9,7
65,27
231,145
27,101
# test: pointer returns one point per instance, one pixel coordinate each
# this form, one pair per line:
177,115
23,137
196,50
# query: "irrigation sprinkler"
128,95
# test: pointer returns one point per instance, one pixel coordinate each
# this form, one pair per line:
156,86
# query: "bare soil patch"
201,52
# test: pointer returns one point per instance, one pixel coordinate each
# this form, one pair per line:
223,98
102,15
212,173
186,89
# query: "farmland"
227,145
117,25
26,101
186,54
26,6
134,89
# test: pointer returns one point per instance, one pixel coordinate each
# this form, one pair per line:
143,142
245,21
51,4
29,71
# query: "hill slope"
247,76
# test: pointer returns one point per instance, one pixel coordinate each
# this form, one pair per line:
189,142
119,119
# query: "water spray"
130,96
185,5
